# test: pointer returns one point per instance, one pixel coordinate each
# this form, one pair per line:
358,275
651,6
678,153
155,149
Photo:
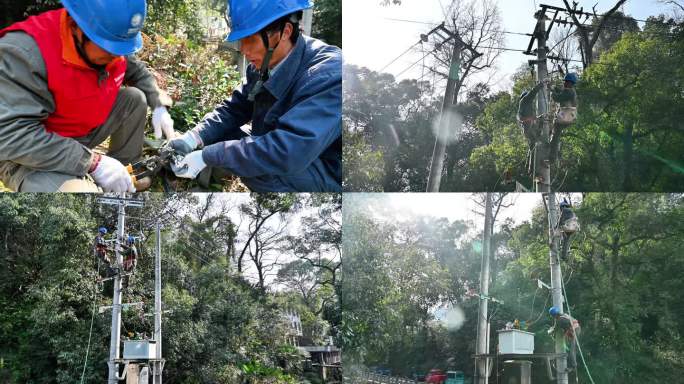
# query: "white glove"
190,166
162,121
112,176
186,143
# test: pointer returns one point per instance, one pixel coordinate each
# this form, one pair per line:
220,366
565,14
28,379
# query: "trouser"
556,136
125,125
565,242
572,350
311,179
529,128
315,178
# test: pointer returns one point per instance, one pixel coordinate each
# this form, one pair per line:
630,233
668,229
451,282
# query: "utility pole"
158,364
483,317
115,341
542,177
556,285
450,99
435,177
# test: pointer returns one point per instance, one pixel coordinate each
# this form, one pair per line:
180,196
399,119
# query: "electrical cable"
413,65
397,58
90,334
586,367
579,348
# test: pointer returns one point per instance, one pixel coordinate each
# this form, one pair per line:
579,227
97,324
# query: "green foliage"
196,77
17,10
165,17
173,17
217,321
362,165
327,21
627,137
622,282
255,373
393,276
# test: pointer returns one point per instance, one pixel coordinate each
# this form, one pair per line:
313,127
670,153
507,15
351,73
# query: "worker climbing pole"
543,129
542,165
114,348
102,257
567,226
556,284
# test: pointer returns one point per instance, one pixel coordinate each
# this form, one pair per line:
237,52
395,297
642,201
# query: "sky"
372,40
462,206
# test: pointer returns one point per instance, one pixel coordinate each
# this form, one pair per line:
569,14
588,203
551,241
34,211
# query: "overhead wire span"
90,333
398,57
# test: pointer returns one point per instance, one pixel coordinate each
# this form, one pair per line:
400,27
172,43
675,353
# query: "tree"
217,325
588,38
619,280
478,25
327,21
263,239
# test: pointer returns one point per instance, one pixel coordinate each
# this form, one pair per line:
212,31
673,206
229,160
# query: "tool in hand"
150,166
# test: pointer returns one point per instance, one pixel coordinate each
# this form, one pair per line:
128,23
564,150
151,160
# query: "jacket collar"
280,79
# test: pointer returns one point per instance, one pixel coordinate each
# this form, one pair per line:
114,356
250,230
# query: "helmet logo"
136,20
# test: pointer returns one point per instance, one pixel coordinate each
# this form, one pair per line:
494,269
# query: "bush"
196,77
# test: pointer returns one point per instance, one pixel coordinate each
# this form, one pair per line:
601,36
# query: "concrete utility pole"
542,177
435,177
158,365
483,317
115,341
556,285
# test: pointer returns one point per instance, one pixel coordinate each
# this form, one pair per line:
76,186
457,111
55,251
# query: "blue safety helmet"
247,17
102,230
554,311
114,25
131,239
524,94
565,204
571,77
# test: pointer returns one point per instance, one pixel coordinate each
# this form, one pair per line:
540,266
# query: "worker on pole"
566,115
527,119
61,94
292,97
571,330
130,255
567,226
100,248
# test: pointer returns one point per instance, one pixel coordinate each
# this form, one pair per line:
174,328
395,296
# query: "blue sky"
372,40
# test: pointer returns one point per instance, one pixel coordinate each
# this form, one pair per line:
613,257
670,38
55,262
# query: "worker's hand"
186,143
551,330
190,166
162,122
111,175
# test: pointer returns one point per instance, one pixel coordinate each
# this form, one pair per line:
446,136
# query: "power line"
397,58
434,23
90,334
414,64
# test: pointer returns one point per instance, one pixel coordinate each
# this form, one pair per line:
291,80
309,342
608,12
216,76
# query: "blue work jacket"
295,143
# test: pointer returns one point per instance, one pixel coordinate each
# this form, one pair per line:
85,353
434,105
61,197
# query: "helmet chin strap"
80,48
265,64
